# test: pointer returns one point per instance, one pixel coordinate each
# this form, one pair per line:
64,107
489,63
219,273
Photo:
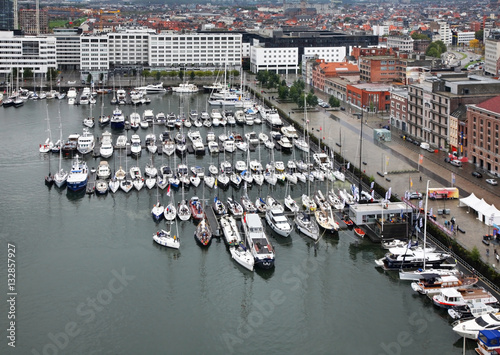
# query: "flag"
386,161
430,212
215,184
168,190
420,204
452,178
371,185
421,222
420,158
373,193
348,165
390,193
411,182
401,215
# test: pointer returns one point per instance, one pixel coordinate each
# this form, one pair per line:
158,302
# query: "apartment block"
26,52
195,49
492,53
399,107
483,125
324,70
431,102
28,21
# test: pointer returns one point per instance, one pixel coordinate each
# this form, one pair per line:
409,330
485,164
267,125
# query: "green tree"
312,100
475,255
333,101
417,35
435,49
300,100
262,77
479,35
146,73
283,92
181,74
192,75
294,94
235,73
157,75
89,78
101,76
28,73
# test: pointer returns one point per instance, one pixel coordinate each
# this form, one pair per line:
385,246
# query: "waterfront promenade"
397,161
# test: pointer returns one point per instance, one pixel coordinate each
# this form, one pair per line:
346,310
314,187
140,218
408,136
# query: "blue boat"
117,119
488,342
78,176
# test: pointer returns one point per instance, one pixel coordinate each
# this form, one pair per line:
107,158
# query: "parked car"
492,181
414,195
477,174
416,142
408,139
447,160
342,108
456,162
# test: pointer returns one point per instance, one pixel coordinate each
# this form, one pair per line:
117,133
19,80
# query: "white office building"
328,54
380,30
129,47
404,43
279,60
492,53
26,52
173,50
445,33
94,55
465,37
67,48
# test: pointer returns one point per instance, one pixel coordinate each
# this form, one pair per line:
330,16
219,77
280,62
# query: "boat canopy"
490,338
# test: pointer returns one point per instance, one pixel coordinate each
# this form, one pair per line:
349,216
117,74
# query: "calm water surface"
90,279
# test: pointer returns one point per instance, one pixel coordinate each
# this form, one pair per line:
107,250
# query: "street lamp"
360,116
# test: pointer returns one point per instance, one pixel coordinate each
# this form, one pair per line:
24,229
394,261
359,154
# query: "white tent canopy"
489,214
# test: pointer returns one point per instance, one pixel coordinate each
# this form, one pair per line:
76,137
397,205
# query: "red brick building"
483,129
363,52
324,70
370,97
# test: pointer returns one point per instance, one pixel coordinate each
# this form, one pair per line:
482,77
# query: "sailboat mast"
425,216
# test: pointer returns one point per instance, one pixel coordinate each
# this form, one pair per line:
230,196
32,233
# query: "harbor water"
90,280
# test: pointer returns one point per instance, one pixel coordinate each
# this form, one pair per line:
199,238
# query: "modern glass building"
6,15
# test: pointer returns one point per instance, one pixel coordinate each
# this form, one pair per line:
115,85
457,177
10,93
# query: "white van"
456,162
424,145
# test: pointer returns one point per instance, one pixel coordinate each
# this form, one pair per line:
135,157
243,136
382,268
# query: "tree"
157,75
300,100
181,74
89,78
192,75
294,93
435,49
312,100
475,255
333,101
28,73
417,35
101,76
479,35
283,92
